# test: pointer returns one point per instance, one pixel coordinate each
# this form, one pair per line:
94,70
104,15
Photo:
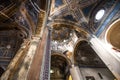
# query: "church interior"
59,40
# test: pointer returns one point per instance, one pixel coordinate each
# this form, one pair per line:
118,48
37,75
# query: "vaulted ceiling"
74,20
69,20
69,17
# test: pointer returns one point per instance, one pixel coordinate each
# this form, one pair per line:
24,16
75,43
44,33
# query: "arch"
69,24
62,56
59,66
78,43
85,56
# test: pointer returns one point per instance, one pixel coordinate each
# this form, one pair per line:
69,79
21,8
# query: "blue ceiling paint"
108,19
87,10
58,3
69,17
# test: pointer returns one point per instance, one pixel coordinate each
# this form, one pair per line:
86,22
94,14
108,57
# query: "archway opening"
85,56
59,67
89,63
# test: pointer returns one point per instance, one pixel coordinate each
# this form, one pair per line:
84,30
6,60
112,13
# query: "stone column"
75,73
45,70
107,56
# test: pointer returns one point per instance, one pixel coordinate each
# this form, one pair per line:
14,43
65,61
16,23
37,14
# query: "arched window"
99,14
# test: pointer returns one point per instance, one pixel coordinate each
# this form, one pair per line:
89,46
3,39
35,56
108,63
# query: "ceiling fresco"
73,14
